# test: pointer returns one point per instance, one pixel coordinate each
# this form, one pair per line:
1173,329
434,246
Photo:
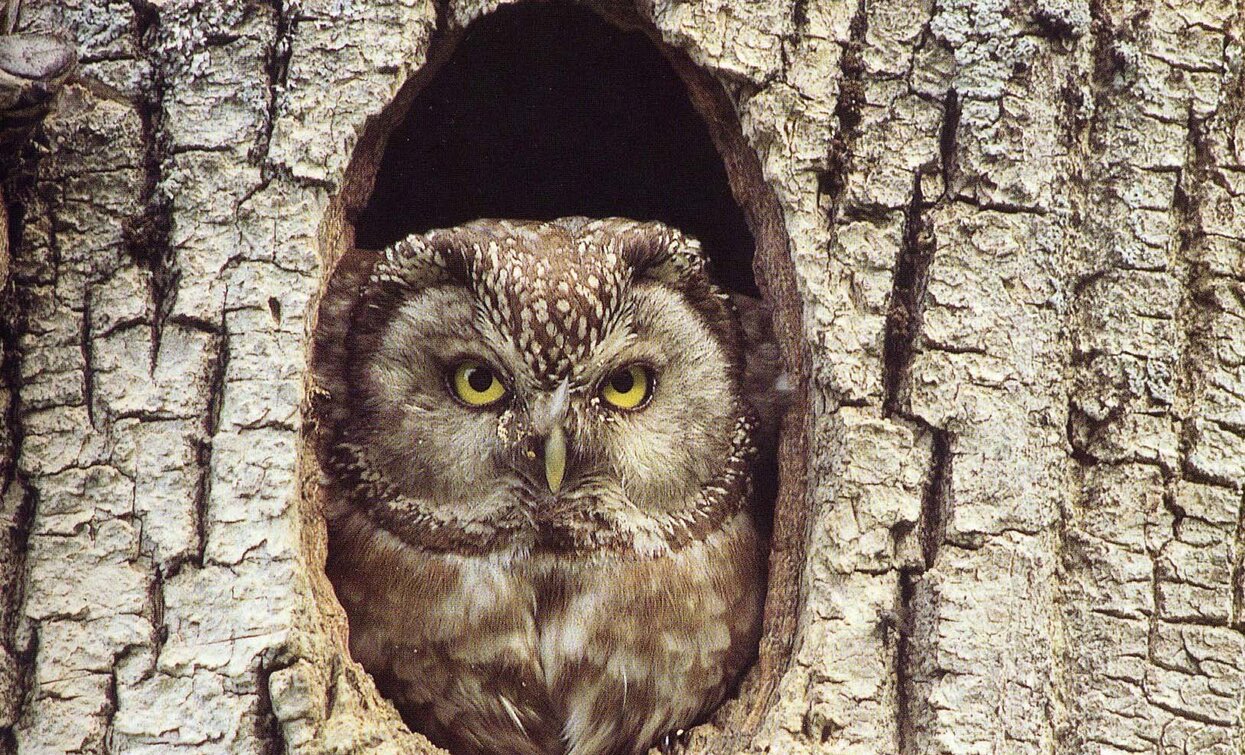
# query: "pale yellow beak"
555,458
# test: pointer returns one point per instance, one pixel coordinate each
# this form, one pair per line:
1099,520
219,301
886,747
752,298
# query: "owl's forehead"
554,293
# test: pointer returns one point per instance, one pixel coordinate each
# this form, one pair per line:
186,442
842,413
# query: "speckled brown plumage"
503,615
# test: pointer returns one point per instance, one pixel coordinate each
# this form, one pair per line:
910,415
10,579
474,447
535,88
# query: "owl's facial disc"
628,407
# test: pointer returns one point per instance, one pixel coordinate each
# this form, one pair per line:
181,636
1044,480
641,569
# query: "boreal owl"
537,441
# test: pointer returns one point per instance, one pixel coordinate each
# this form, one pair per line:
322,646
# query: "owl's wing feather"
767,386
330,356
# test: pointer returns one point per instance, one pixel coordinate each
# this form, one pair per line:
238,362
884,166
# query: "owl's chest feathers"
579,646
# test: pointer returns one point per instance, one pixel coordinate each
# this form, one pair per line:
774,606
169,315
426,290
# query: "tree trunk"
1012,278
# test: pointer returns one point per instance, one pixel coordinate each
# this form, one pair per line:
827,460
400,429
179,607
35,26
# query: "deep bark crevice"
932,528
112,701
1109,59
110,707
88,361
901,334
276,71
1237,618
907,301
203,448
148,233
155,599
1189,715
268,726
905,724
847,111
17,497
334,681
936,500
799,15
905,311
12,324
948,134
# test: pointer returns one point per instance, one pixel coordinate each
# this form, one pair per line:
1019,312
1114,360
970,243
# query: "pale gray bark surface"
1019,232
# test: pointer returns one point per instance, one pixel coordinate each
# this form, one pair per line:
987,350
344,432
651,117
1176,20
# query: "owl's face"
573,381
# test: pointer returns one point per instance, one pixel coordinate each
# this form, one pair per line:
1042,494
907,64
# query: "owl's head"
564,384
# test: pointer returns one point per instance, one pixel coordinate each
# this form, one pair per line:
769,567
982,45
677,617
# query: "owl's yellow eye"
477,385
628,388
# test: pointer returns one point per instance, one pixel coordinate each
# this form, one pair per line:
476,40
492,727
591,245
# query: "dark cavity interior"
545,110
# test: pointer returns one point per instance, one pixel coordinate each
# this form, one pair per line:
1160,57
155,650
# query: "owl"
537,445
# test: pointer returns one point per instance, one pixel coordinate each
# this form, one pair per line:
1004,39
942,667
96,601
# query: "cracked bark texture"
1018,232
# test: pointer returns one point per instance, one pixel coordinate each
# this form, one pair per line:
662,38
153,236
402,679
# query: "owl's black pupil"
480,379
622,381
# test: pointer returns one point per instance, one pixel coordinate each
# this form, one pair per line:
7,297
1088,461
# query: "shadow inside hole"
547,110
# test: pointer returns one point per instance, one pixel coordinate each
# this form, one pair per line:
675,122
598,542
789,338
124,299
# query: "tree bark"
1016,247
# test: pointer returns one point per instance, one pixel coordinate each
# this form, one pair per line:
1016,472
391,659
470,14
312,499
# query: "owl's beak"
555,458
548,421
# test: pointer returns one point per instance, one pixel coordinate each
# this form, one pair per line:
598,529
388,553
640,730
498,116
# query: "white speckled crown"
555,286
